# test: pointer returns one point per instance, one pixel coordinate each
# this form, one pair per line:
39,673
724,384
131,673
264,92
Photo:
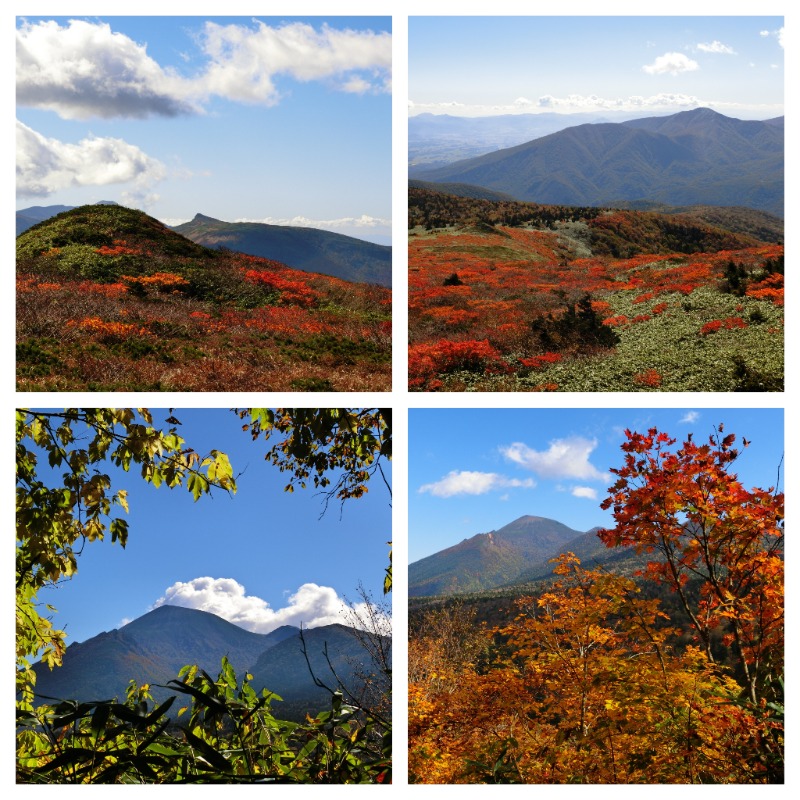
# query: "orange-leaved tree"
585,685
689,508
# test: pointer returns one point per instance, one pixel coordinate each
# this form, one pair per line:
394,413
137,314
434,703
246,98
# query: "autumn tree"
444,645
585,685
686,506
610,698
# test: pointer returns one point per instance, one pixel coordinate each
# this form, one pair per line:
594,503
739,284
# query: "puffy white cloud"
47,165
778,34
84,69
310,606
689,418
672,63
716,47
243,61
585,492
565,458
475,483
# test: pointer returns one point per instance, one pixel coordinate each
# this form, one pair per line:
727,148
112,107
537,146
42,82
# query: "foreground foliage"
110,299
227,734
592,681
519,297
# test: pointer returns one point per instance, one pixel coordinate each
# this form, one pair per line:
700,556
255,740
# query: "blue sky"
279,120
474,470
478,66
266,556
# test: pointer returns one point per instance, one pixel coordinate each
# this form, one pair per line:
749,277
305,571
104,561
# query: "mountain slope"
154,647
151,649
27,217
110,299
308,249
694,157
512,557
487,560
334,655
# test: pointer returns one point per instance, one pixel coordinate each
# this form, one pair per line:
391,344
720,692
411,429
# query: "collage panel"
596,203
204,204
203,595
596,596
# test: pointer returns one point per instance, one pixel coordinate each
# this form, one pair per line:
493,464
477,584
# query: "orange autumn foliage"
592,681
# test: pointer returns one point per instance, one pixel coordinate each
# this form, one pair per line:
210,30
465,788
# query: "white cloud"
356,85
475,483
584,491
85,69
47,165
778,34
689,418
672,63
716,47
310,606
243,61
565,458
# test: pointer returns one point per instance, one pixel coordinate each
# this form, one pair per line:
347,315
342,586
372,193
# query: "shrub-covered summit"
111,299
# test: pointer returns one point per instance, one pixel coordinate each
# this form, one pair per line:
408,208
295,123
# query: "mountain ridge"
304,248
152,649
307,249
692,157
492,559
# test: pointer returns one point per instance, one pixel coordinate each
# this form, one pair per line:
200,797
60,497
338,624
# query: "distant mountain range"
308,249
438,139
690,158
154,647
516,553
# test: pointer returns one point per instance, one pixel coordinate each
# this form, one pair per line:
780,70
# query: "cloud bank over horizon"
661,103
